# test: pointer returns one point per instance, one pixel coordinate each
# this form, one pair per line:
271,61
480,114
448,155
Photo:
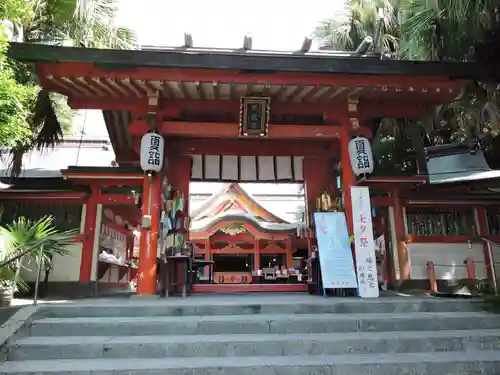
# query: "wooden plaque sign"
254,116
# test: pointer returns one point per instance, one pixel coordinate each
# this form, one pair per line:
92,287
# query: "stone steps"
262,323
241,336
470,363
78,347
269,306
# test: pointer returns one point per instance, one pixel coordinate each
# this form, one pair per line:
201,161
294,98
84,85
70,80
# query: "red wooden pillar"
146,280
256,255
317,177
89,237
208,250
401,247
431,271
483,230
348,178
289,255
179,175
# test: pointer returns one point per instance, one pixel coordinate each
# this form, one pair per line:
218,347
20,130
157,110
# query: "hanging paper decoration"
152,147
360,155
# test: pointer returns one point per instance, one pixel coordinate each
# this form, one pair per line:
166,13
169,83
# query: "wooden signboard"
254,116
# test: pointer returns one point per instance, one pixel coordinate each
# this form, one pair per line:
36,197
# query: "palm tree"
358,19
345,32
25,238
456,31
424,30
81,23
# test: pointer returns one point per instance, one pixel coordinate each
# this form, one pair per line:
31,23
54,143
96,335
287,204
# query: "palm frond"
38,239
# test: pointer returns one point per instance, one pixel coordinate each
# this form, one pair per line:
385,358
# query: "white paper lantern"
152,145
360,154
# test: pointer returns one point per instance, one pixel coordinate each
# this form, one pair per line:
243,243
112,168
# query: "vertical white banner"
364,243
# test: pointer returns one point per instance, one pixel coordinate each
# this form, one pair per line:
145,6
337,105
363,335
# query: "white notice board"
335,255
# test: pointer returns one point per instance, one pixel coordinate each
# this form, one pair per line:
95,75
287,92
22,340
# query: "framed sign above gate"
254,116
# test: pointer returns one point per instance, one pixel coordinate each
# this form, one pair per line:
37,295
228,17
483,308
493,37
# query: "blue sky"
274,24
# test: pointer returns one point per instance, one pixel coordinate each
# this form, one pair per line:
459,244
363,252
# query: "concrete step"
172,307
81,347
449,363
262,323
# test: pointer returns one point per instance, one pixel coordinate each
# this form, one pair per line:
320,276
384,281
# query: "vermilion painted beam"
63,197
334,111
74,69
381,201
116,199
231,130
244,147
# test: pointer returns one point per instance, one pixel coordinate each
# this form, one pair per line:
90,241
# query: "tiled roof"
48,163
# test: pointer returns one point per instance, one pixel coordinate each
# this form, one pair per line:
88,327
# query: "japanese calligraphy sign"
254,116
360,154
152,152
364,243
335,255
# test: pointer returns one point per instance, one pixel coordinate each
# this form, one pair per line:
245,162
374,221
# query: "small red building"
247,244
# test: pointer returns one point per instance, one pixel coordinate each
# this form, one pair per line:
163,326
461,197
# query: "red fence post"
432,277
471,268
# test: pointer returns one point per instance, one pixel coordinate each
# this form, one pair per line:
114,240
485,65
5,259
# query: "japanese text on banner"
364,243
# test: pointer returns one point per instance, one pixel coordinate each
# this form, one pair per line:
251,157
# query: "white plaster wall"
65,268
95,253
448,259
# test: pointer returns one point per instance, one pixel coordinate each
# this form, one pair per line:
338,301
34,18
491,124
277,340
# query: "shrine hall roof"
249,60
232,204
234,200
459,163
206,224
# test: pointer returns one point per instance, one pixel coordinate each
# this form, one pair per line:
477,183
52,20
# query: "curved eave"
212,226
117,124
268,215
210,202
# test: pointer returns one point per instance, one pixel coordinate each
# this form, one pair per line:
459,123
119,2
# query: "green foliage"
83,23
15,103
15,10
40,240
